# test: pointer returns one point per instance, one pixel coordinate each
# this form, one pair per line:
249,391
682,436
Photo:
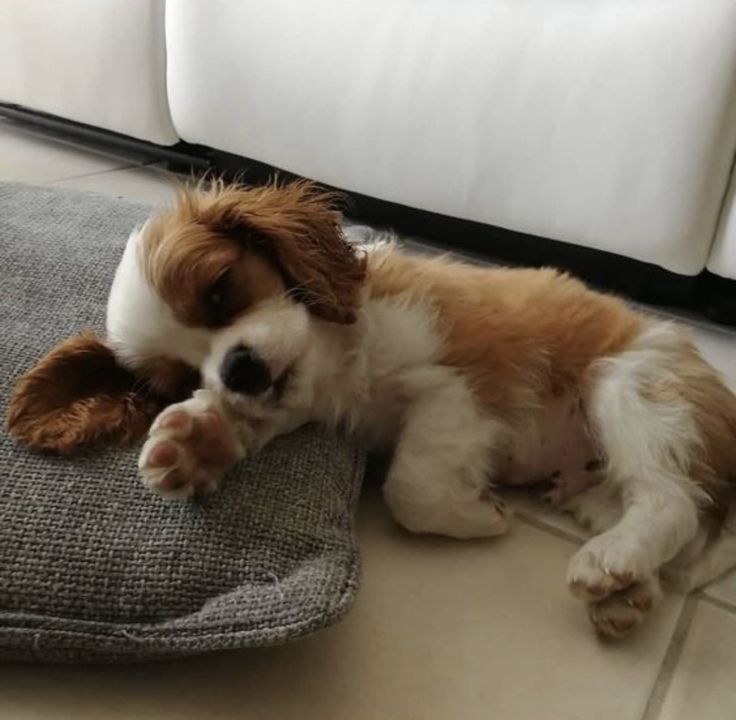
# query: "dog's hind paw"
621,612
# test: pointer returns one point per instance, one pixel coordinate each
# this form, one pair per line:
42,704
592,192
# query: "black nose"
244,371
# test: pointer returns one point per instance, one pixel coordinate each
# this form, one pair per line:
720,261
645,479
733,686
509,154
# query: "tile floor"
440,630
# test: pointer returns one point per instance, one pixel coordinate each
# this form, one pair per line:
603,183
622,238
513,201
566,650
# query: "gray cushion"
92,566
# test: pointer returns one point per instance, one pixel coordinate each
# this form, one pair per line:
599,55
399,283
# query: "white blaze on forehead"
140,324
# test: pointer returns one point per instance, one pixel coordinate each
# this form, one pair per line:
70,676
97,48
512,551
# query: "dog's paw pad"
189,447
164,454
614,621
620,613
176,420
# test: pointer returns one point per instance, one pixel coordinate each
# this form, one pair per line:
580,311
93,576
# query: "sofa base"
180,155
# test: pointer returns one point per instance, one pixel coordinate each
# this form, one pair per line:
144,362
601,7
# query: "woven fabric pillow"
92,566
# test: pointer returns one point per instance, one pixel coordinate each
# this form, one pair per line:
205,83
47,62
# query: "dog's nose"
243,370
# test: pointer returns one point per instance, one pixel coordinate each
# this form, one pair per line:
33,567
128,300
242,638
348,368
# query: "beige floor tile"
148,184
33,156
441,629
703,686
724,589
530,508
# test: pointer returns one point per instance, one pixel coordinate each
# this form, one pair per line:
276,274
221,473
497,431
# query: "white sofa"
722,260
607,124
98,62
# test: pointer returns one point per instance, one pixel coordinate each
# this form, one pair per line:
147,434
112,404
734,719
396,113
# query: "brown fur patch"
522,336
76,395
250,243
167,377
713,406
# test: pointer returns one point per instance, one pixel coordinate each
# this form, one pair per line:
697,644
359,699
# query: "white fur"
139,323
705,562
279,330
439,478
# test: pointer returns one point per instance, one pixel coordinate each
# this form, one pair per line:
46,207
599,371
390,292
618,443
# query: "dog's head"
222,289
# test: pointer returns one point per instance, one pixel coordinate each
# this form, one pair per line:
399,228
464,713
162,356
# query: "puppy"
476,377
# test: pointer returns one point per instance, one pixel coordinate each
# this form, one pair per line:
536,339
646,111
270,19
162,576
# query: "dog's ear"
77,395
298,227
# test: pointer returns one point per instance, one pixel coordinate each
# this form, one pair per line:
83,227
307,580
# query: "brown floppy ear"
77,395
298,226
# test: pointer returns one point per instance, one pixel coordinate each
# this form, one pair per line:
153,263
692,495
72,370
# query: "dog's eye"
216,295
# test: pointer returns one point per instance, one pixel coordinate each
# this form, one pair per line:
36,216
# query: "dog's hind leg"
717,557
649,436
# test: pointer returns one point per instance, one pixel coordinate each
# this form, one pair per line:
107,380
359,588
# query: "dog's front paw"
607,564
190,446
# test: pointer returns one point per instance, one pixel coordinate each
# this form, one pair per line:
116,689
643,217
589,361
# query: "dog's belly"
564,456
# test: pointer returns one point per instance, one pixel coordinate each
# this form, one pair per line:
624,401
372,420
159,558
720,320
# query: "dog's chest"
391,364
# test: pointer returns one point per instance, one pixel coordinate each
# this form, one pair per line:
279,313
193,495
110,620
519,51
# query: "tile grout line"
538,524
671,659
717,602
132,166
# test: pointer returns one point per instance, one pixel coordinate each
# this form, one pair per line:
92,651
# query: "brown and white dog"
477,377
